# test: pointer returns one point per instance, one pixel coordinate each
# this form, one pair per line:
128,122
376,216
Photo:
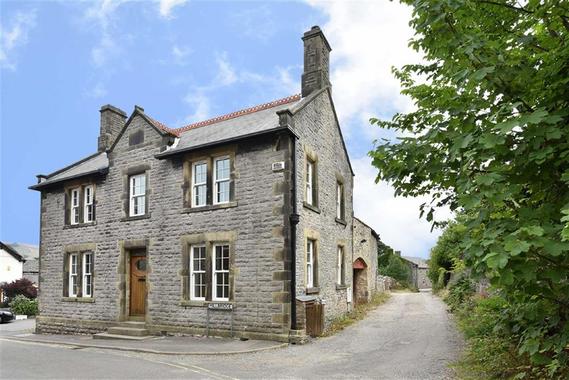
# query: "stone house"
419,268
218,227
364,266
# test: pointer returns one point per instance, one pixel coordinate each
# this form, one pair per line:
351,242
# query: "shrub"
460,293
22,286
393,266
24,306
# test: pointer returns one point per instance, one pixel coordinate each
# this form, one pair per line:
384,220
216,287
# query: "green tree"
446,256
393,266
490,137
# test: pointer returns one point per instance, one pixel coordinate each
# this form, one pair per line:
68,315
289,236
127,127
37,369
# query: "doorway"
137,288
360,286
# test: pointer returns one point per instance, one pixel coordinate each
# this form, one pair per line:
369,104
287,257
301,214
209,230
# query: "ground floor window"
79,274
208,272
341,266
311,273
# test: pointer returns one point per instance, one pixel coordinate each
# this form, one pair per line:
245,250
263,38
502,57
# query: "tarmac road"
409,337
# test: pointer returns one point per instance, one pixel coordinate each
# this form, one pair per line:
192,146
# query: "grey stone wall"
261,301
320,138
423,281
365,247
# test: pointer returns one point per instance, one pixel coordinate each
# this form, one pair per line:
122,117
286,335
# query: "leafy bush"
22,286
24,306
446,255
394,266
460,293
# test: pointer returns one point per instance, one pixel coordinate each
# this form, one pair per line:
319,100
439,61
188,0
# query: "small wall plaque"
278,166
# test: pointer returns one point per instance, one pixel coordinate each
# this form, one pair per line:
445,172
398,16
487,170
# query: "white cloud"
396,220
103,15
225,72
15,35
367,39
98,91
201,106
166,6
256,23
180,54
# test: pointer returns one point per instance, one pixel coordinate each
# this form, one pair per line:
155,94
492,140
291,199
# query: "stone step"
118,336
129,331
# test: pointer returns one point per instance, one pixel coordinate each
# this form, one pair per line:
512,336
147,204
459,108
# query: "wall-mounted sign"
278,166
220,306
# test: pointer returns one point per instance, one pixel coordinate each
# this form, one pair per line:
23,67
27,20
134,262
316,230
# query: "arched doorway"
360,282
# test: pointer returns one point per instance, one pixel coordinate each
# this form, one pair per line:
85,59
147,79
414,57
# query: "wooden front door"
138,284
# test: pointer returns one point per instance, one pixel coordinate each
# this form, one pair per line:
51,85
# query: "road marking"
37,343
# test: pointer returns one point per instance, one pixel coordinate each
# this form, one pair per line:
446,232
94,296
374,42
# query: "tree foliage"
446,256
393,266
21,286
490,138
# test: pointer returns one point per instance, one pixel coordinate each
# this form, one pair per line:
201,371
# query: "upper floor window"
221,179
340,204
137,195
75,205
209,181
199,184
311,197
88,210
80,205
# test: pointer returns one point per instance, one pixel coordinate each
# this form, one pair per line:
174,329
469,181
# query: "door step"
123,337
129,330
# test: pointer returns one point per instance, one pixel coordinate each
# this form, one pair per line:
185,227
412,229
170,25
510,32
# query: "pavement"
410,337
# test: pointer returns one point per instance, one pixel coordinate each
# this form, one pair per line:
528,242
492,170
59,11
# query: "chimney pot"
316,74
112,122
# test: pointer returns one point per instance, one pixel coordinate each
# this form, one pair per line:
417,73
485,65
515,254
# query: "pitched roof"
12,252
421,263
96,163
241,123
28,251
262,117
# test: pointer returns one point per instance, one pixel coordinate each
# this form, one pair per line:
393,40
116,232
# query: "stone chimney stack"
316,73
112,122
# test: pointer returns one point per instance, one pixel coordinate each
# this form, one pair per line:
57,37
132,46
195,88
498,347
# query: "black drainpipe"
285,120
294,219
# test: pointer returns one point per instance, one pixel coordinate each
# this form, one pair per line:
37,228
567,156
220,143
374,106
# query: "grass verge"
359,313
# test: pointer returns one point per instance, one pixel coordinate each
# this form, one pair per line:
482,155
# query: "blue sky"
187,61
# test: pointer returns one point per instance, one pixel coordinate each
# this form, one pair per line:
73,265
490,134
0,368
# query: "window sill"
314,290
219,206
341,286
79,225
311,207
78,299
341,221
138,217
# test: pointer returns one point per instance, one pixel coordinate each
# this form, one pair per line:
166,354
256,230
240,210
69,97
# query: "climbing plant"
490,137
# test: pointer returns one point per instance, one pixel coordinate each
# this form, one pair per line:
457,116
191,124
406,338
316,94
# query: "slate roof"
245,122
96,163
421,263
12,252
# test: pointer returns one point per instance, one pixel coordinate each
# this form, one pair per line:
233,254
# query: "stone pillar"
317,50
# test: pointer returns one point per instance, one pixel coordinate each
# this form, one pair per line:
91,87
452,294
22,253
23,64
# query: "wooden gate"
314,318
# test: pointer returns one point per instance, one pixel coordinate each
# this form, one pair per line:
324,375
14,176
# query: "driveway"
409,337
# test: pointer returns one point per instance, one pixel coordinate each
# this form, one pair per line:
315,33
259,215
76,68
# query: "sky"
186,61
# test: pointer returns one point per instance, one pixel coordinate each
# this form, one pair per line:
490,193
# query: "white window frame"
216,271
88,205
75,204
87,275
193,271
217,181
339,196
133,196
340,265
310,248
73,274
195,185
309,182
